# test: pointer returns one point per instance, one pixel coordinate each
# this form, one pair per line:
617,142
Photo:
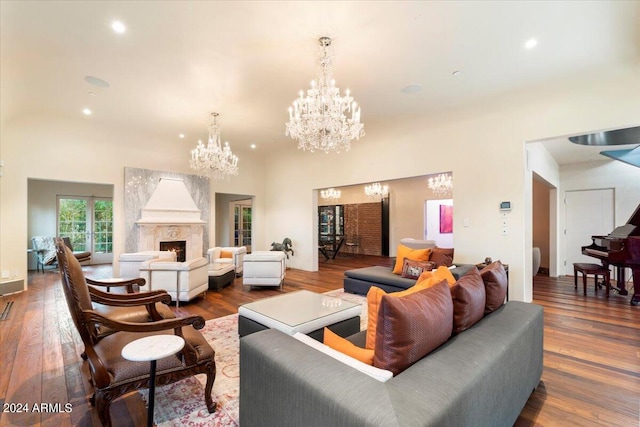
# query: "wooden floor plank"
591,361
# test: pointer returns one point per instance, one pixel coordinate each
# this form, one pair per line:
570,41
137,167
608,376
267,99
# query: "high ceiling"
180,60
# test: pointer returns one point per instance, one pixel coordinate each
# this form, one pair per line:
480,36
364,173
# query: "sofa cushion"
495,281
342,345
412,254
226,254
468,301
380,275
412,326
413,269
442,256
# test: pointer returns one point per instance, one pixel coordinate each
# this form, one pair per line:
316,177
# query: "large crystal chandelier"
441,184
330,194
376,190
213,160
324,120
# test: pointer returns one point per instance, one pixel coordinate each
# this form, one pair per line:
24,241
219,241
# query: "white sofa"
264,268
237,259
130,262
182,280
418,244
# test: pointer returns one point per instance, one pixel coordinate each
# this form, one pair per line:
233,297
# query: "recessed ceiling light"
118,27
253,146
86,111
531,43
411,89
95,81
181,135
456,73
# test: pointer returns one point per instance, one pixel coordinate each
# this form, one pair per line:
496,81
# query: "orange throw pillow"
344,346
412,254
442,273
226,254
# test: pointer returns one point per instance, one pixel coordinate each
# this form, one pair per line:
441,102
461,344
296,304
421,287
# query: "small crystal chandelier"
441,184
376,190
320,120
213,160
330,194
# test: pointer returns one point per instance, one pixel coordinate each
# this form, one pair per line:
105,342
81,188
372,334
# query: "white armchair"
182,280
130,262
228,255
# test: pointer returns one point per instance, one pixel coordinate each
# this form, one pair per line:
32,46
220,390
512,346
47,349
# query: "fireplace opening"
179,247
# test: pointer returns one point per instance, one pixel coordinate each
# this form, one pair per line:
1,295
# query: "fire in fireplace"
179,247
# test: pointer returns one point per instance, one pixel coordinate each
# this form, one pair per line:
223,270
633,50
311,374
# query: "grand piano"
620,248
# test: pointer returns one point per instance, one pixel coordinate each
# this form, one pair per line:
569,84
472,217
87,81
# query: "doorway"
88,223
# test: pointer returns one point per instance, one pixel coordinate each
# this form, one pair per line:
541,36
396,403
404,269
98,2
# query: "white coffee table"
300,311
150,349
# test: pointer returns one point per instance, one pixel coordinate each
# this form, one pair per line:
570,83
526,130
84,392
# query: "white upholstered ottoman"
264,268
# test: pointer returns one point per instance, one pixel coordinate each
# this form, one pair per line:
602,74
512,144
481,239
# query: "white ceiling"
180,60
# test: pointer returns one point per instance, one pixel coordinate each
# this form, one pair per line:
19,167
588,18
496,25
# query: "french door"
242,223
88,222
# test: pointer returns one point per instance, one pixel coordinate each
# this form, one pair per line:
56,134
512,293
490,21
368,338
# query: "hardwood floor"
591,351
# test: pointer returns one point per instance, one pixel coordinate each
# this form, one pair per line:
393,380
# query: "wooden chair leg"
575,278
584,283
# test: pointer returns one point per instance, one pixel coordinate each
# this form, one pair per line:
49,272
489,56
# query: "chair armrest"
160,325
128,283
129,300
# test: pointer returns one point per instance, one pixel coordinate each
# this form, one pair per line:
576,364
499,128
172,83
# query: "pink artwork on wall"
446,219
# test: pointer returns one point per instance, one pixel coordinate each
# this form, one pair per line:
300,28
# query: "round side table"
150,349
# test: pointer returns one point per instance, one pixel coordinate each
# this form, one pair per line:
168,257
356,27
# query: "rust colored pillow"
374,296
412,326
344,346
412,254
413,269
468,301
496,282
442,256
226,254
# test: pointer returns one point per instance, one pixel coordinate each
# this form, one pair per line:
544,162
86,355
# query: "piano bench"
595,269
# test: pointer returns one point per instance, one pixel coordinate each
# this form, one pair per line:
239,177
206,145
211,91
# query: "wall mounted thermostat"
505,206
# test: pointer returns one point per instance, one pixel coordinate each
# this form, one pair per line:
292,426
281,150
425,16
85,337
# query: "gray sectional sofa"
359,280
480,377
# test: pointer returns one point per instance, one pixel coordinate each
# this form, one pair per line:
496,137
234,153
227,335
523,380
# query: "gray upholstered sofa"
359,280
481,377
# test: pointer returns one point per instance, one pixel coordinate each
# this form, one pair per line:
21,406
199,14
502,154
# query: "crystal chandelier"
214,160
376,190
330,194
321,121
441,184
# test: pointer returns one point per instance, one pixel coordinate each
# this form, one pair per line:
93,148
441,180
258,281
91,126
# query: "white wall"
85,150
443,240
482,146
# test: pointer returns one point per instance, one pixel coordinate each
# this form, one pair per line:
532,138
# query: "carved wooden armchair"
112,375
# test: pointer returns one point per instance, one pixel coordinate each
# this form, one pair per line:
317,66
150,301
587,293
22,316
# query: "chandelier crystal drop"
376,190
214,160
441,184
324,120
330,194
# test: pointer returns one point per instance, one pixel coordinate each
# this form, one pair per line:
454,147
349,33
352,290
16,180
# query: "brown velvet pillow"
495,281
442,256
411,326
413,269
468,301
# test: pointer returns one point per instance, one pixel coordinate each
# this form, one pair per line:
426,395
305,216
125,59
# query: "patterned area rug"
182,403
